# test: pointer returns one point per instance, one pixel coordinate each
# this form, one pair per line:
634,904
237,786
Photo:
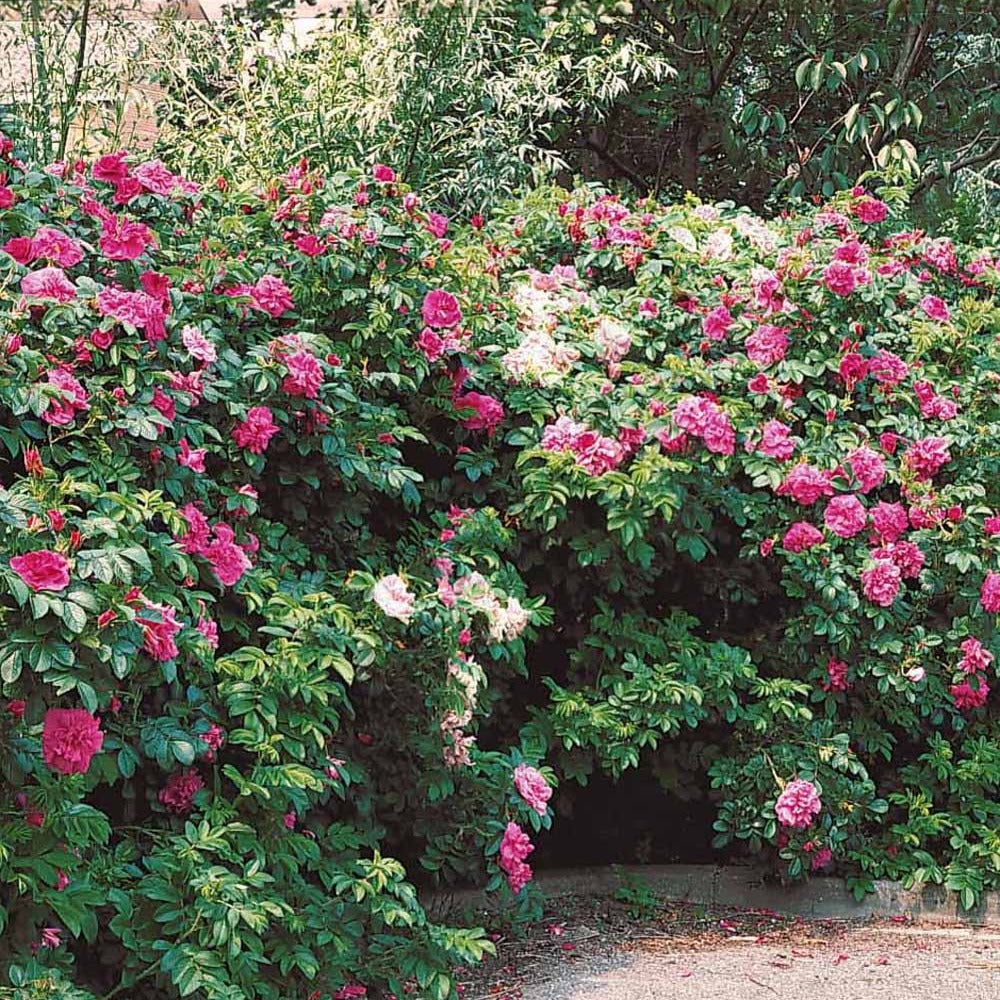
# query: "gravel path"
601,949
865,964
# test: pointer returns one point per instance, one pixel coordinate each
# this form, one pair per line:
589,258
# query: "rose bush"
211,541
299,478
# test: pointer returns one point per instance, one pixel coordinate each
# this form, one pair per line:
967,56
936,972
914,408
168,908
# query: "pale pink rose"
198,345
532,787
392,595
48,283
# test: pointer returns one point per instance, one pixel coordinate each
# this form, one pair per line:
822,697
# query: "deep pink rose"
881,582
54,245
776,441
305,375
845,516
70,738
42,570
927,456
271,295
766,345
805,484
868,468
159,630
801,536
20,248
179,792
514,848
440,310
487,412
870,210
990,593
111,168
256,431
839,277
123,239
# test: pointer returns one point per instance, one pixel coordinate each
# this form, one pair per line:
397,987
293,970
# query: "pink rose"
717,323
927,456
305,375
881,582
55,246
801,536
72,397
836,672
48,283
868,468
839,277
70,738
191,458
441,310
532,787
271,295
776,441
111,168
935,308
179,792
798,804
256,431
42,570
514,848
158,632
870,210
198,345
229,561
123,239
431,344
805,484
888,368
967,697
889,520
989,594
766,345
487,412
845,516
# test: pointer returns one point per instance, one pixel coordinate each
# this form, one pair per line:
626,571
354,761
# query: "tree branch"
935,174
624,169
719,78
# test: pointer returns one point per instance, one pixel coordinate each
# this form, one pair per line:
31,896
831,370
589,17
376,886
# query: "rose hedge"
296,486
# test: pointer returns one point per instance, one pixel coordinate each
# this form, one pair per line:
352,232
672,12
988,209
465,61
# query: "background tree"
776,99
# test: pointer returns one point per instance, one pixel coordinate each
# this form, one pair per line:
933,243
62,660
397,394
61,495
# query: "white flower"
685,237
719,246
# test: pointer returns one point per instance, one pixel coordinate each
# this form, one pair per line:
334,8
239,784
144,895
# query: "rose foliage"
334,528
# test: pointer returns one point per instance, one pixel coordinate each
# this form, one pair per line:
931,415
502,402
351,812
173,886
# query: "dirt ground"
599,949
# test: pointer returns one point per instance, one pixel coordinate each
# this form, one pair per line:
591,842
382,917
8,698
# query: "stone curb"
747,888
